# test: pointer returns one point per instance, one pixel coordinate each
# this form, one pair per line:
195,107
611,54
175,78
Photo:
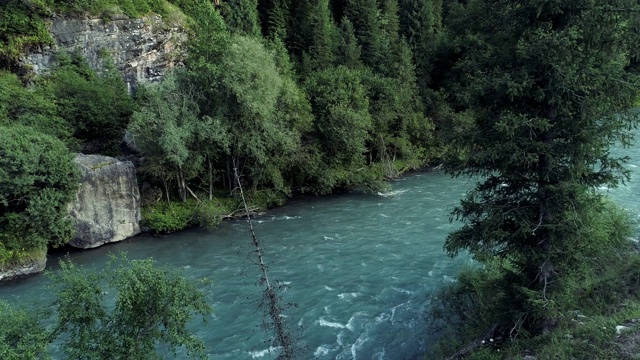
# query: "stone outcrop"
27,268
141,49
107,205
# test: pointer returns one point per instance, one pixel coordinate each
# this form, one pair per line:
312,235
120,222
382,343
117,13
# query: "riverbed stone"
27,268
107,205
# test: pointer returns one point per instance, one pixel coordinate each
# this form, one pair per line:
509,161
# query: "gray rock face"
107,205
142,49
31,267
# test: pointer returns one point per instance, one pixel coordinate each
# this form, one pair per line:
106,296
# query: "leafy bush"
33,107
97,107
210,213
152,308
131,8
37,181
21,25
22,336
168,217
147,320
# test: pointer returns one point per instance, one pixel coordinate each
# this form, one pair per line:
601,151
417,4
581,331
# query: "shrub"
168,217
37,181
97,107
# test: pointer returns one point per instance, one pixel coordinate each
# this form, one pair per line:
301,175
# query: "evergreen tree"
242,16
550,89
391,22
274,15
421,26
341,128
349,51
322,37
364,15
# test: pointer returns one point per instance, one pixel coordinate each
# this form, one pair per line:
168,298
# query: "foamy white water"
359,267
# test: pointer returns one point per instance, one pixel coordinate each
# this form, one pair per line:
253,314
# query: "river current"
358,266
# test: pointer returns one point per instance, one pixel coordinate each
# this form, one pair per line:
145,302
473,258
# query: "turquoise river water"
359,267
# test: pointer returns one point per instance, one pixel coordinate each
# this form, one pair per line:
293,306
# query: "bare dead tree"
273,309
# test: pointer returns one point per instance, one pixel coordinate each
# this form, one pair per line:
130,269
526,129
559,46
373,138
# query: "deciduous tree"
152,308
37,181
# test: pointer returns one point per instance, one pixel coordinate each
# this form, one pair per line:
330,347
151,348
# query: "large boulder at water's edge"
107,205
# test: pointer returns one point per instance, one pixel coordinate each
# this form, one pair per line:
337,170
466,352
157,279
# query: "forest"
325,95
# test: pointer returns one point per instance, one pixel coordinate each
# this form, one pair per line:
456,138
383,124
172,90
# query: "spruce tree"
550,88
364,15
274,15
348,49
421,26
242,16
322,35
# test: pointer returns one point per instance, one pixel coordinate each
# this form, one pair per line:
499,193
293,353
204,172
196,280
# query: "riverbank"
359,266
160,216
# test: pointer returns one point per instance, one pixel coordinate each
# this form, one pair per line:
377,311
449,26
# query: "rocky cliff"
141,49
107,205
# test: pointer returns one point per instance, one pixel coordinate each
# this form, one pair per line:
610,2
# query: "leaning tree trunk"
182,185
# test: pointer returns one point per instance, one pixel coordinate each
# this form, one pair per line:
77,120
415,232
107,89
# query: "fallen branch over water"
283,340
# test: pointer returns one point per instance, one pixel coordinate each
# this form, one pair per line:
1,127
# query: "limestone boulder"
107,205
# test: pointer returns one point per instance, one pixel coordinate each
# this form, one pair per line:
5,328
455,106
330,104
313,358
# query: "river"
359,267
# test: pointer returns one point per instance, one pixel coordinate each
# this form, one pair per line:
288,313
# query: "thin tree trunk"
182,186
282,336
166,189
210,178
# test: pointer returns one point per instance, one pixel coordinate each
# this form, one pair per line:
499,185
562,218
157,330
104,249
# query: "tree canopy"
550,89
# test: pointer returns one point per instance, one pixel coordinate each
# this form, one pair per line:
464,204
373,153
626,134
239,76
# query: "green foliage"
32,107
153,306
241,16
421,26
97,108
549,99
164,130
22,335
349,51
321,36
601,288
22,25
164,217
37,181
364,15
103,7
341,110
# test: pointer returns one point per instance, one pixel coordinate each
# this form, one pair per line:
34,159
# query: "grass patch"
10,259
163,217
